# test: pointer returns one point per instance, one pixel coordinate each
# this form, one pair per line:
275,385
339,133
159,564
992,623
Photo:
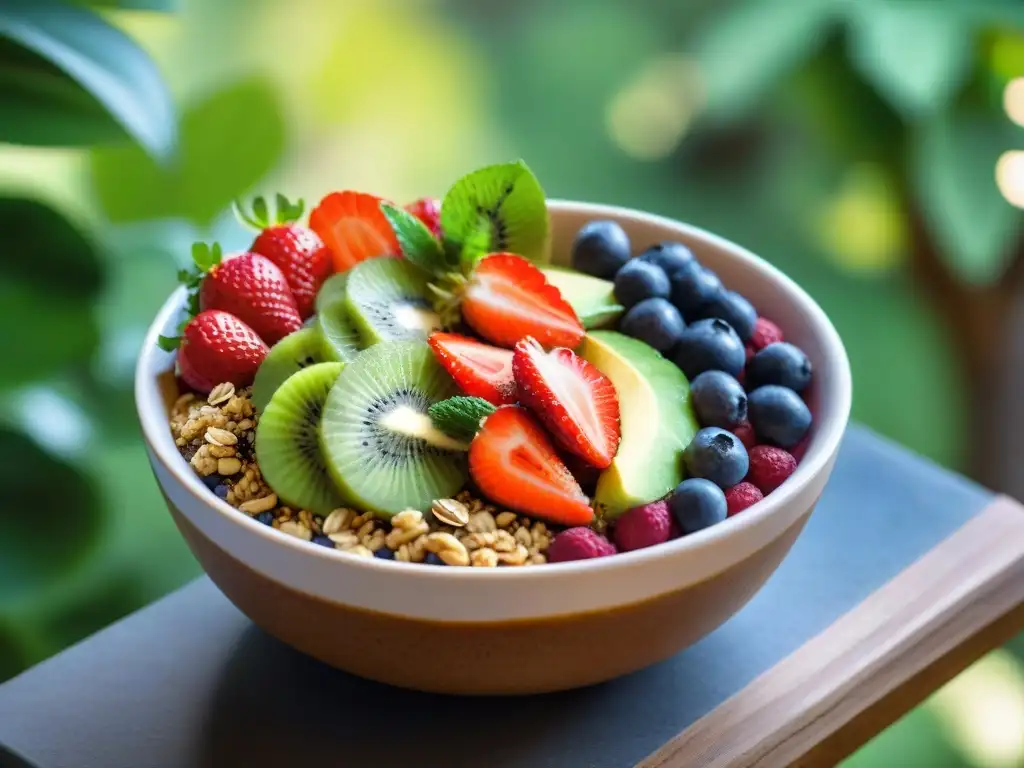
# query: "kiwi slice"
379,444
288,444
332,318
387,301
297,350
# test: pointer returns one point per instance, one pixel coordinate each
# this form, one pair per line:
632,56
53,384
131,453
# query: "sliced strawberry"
217,347
508,298
575,401
255,290
514,465
303,258
427,210
479,369
354,228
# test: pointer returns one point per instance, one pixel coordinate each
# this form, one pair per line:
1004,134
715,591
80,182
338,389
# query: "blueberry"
735,310
709,345
267,517
212,481
640,280
693,288
719,400
323,541
432,559
655,322
779,363
718,456
600,249
697,504
778,415
221,491
385,554
671,257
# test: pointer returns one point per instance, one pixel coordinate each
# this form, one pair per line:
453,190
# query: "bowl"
512,630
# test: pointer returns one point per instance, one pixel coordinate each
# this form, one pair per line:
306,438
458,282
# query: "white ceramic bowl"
513,630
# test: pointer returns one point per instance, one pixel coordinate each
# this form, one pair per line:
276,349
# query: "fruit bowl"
512,630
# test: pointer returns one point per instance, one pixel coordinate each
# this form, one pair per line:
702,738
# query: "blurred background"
873,149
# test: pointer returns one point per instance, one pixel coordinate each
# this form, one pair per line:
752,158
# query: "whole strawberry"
297,250
427,210
216,347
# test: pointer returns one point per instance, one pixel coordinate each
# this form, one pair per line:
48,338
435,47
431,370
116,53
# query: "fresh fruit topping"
380,446
573,399
217,347
643,527
496,209
640,280
427,210
591,298
508,298
779,363
386,300
800,448
745,433
718,456
460,417
735,310
765,332
718,400
353,227
654,403
709,345
600,249
417,244
287,440
479,369
778,415
586,474
579,543
697,504
291,354
655,322
514,464
741,496
769,467
693,288
333,321
670,256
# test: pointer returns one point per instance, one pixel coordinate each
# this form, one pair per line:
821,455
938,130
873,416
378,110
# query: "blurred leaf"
50,521
164,6
752,44
228,142
84,52
18,649
916,55
953,160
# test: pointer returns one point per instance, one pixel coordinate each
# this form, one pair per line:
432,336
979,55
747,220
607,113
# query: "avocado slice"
657,421
591,297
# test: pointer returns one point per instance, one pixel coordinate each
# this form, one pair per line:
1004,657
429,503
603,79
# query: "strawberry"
513,464
575,401
507,298
479,369
216,347
354,228
427,210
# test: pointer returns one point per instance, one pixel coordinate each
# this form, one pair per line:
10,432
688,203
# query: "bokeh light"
1010,177
1013,100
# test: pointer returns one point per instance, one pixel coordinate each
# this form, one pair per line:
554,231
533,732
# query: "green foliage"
418,244
259,217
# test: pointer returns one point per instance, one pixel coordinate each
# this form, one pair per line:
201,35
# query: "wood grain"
912,625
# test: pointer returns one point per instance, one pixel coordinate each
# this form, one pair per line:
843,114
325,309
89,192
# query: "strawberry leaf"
205,256
168,343
287,211
192,305
418,244
460,417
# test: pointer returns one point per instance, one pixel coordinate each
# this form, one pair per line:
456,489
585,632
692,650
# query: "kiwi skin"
299,349
387,300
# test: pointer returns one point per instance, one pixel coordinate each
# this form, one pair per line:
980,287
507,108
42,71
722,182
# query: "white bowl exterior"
504,594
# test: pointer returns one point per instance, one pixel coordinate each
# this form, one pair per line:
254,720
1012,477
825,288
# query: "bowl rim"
835,391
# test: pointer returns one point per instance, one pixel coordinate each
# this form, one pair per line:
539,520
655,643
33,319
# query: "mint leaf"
418,244
168,343
497,208
460,417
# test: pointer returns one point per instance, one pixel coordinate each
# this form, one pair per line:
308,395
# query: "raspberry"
746,435
579,543
643,527
741,496
765,332
800,448
769,467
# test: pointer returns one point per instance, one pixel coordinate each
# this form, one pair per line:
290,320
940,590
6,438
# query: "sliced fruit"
291,354
592,298
514,464
382,450
572,398
353,227
387,301
507,298
427,210
333,321
288,444
657,421
479,369
216,347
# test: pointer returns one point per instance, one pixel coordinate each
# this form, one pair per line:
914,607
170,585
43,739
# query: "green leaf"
205,256
459,417
953,160
418,244
917,55
87,61
229,141
287,211
497,208
168,343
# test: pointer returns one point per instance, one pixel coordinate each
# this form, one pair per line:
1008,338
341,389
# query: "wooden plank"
925,614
